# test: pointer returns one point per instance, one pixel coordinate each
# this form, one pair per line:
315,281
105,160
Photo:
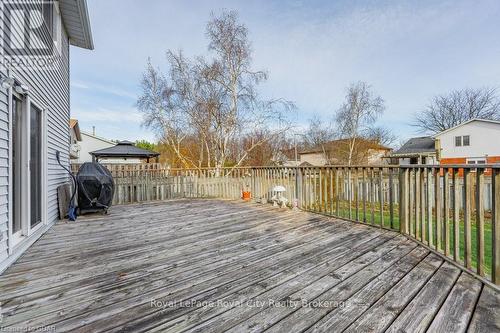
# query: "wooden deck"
212,266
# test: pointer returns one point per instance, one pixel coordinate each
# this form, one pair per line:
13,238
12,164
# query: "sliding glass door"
17,140
35,165
27,165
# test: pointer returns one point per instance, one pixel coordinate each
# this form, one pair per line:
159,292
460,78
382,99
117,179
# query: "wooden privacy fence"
453,210
181,183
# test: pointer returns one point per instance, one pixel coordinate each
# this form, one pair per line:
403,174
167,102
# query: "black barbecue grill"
95,188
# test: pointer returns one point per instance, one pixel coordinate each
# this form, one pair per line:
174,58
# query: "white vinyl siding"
49,89
478,140
4,174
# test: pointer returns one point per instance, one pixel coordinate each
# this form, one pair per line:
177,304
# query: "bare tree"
318,135
446,111
216,98
381,135
164,109
318,132
357,115
241,109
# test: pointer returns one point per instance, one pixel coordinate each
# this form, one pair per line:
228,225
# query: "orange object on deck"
246,195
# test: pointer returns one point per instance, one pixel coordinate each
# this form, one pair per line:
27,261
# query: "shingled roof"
335,144
124,149
416,146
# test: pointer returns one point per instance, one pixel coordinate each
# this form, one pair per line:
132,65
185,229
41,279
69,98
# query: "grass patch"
384,220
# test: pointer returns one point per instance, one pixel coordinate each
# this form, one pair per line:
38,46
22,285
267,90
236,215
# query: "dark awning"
416,147
124,149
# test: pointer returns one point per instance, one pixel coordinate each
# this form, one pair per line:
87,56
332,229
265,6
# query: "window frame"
57,27
44,164
51,15
458,141
468,140
476,160
17,237
48,15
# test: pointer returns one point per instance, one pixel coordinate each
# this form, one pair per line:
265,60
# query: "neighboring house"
124,152
476,141
35,115
473,142
337,152
75,136
421,150
91,142
287,157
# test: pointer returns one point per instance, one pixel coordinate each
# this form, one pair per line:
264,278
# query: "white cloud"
122,116
78,85
408,50
108,89
113,124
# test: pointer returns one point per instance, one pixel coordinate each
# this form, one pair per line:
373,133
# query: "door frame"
15,240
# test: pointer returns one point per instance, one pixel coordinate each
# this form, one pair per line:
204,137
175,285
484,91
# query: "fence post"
253,191
495,221
296,186
391,198
403,200
467,218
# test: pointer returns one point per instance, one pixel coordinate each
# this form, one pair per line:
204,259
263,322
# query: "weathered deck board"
340,318
420,312
102,272
486,318
455,314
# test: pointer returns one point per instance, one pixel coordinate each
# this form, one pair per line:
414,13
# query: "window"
48,15
52,19
462,141
57,29
476,161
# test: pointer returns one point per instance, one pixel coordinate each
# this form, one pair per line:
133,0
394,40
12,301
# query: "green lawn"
377,217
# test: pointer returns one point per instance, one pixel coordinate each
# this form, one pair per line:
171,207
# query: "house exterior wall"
92,143
88,144
374,157
49,89
316,159
429,160
74,153
484,138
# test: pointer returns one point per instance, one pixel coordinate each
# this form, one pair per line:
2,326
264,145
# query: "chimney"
93,130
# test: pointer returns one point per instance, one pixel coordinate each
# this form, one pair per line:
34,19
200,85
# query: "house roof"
417,146
75,16
124,149
73,124
465,123
368,144
98,137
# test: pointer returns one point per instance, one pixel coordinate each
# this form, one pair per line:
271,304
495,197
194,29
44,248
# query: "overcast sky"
407,50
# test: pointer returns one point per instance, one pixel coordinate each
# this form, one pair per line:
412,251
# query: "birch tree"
164,111
240,110
358,114
213,98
